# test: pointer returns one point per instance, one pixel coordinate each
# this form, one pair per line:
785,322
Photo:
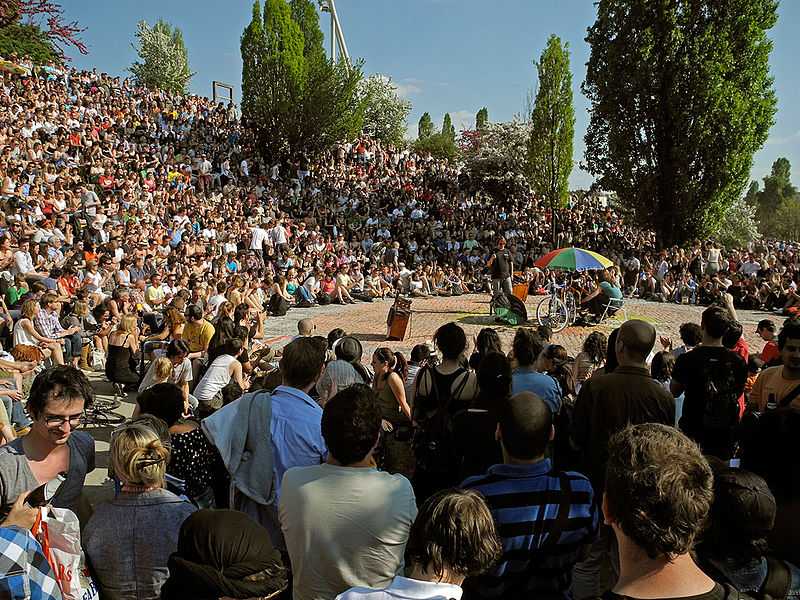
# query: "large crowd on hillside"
141,235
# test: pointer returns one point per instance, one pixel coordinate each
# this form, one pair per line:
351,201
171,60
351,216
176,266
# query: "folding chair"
610,309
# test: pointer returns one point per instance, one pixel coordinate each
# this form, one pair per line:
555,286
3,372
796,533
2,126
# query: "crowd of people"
142,235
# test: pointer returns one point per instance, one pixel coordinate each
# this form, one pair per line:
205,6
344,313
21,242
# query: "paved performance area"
367,322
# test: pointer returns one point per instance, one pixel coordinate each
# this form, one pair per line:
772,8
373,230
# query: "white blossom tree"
385,111
739,225
164,61
496,156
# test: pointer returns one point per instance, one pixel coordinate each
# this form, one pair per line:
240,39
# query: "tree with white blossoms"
385,111
496,156
164,61
738,226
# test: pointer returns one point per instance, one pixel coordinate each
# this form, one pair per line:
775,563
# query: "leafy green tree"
163,59
425,127
304,13
27,41
438,145
447,128
293,98
681,98
786,225
553,127
482,118
777,188
751,197
385,112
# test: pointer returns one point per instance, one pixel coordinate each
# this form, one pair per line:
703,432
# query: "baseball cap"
744,502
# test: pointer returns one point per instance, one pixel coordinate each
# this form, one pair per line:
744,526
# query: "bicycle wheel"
553,313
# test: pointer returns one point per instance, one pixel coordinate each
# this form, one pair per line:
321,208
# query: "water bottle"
772,403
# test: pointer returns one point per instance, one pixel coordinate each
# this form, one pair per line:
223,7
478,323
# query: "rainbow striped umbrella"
573,259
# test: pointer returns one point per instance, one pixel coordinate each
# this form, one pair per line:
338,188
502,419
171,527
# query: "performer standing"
500,265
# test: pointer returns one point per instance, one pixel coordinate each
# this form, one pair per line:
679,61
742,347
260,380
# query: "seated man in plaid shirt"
544,517
48,325
24,570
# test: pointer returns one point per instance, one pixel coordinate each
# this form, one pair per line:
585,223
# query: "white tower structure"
338,42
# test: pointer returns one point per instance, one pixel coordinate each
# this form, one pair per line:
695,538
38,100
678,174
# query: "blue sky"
445,55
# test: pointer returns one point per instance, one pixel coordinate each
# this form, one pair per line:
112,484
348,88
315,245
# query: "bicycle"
554,310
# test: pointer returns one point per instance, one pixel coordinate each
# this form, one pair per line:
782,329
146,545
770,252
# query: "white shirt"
344,527
257,241
403,588
23,263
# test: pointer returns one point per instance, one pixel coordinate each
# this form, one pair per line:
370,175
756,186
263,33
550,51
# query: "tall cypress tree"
425,127
553,127
482,118
448,131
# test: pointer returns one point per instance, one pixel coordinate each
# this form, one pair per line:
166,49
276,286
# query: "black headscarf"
217,549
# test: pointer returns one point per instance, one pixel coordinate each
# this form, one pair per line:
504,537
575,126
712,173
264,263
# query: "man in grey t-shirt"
346,523
56,403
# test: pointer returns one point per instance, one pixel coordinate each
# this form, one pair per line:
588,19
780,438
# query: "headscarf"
217,549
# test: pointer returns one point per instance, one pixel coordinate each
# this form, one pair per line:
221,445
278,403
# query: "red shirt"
770,352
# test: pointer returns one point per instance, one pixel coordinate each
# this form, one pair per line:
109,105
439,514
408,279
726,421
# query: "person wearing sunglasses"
58,397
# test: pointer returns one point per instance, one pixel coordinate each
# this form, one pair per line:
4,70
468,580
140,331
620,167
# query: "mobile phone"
45,492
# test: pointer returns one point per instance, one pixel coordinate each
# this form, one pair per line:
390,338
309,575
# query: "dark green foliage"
439,145
425,127
27,41
482,118
293,98
681,98
447,128
553,127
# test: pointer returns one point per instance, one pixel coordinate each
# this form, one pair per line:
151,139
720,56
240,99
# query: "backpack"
432,442
278,306
720,407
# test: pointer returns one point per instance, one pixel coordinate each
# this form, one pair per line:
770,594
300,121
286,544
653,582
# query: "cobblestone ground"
367,322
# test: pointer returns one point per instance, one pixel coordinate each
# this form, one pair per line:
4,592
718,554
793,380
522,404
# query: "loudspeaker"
398,319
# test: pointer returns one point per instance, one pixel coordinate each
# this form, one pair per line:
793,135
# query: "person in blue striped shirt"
545,518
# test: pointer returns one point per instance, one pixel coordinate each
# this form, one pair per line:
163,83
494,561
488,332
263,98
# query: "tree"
425,127
553,127
738,227
37,29
437,145
482,118
777,188
681,98
787,221
385,112
293,98
164,61
496,157
447,128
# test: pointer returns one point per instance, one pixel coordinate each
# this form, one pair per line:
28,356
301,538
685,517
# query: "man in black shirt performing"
500,267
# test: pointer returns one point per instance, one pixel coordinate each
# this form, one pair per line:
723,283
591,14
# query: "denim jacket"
128,541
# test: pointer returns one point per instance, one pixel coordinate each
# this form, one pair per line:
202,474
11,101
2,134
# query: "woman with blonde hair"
27,339
129,539
123,344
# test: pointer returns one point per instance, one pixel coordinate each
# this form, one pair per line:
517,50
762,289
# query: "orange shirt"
772,381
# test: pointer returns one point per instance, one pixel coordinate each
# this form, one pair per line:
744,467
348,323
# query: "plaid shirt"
47,324
24,570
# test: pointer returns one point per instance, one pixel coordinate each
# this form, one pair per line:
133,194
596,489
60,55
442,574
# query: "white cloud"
408,87
779,141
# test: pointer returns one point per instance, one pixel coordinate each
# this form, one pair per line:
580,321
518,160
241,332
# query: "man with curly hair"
659,491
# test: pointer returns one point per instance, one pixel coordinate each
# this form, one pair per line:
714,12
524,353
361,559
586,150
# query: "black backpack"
433,443
721,406
278,305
